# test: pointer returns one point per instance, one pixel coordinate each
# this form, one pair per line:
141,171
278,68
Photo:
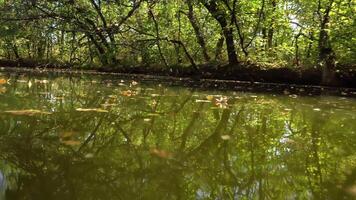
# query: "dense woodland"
272,33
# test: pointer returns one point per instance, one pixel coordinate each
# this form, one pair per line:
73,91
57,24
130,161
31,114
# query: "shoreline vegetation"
271,41
289,82
345,76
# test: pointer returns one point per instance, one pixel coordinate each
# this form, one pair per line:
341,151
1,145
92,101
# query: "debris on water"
317,109
3,81
133,83
92,110
210,97
71,142
67,134
89,155
221,102
161,153
202,101
2,90
128,93
155,95
29,112
225,137
41,81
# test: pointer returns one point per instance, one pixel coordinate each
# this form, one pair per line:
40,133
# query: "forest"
236,38
177,99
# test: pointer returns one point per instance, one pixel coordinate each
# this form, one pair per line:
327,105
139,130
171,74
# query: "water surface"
100,137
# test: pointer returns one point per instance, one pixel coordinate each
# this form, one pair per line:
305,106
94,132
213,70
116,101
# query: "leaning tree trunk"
197,31
219,16
326,53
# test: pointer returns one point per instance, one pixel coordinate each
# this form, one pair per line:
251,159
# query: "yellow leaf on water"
210,97
27,112
41,81
91,110
67,134
225,137
2,90
128,93
3,81
70,142
161,153
202,101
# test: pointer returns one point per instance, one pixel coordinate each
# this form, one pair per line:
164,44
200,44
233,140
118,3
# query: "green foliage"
140,32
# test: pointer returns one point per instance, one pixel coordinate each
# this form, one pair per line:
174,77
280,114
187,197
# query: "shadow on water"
93,138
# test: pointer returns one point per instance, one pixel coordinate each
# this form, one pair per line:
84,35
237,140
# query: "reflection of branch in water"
93,133
147,130
213,138
189,129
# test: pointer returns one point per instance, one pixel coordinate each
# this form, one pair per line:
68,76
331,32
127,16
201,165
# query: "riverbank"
250,77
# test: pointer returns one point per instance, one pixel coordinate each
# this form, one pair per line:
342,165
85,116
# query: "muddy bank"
244,72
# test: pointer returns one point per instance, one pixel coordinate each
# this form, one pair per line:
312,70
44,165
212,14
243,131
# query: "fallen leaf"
128,93
27,112
225,137
221,102
67,134
3,81
2,90
133,83
91,110
161,153
70,142
210,97
352,190
41,81
202,101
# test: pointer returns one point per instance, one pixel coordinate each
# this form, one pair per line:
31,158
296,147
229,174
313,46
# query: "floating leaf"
210,97
2,90
152,114
202,101
91,110
225,137
221,102
70,142
3,81
352,190
133,83
67,134
27,112
89,155
41,81
128,93
161,153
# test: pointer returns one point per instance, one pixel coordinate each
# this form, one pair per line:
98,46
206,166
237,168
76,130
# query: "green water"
97,137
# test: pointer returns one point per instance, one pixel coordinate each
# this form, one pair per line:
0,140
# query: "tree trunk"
219,16
326,53
219,46
197,31
271,30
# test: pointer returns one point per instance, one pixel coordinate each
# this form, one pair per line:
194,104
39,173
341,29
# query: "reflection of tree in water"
159,143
